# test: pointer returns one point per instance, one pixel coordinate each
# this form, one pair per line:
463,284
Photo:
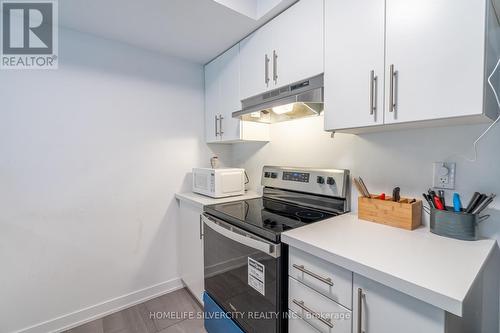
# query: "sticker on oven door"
256,276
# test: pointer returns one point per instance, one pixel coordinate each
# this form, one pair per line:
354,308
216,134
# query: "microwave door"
243,275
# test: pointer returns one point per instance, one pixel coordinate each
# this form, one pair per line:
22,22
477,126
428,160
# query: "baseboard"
103,309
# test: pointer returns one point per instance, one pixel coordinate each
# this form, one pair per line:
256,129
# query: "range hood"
298,100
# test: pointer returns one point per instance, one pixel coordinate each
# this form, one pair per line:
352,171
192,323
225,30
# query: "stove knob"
270,222
267,174
274,175
330,181
320,180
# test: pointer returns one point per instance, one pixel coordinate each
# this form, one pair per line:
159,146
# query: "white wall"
90,157
386,160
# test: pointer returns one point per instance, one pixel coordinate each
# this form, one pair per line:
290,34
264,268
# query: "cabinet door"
386,310
191,248
229,85
255,57
437,49
211,101
297,41
354,51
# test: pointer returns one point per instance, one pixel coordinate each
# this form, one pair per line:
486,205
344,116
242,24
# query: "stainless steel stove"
245,262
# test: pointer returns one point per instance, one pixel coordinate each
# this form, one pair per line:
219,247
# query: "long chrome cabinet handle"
391,88
360,311
301,268
393,107
220,125
266,71
275,67
373,92
216,125
316,315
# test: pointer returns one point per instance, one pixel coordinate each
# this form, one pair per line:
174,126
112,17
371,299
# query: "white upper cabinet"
255,63
354,63
437,49
229,94
287,49
211,102
297,51
222,98
437,56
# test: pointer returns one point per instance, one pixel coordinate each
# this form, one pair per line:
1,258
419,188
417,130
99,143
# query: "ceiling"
195,30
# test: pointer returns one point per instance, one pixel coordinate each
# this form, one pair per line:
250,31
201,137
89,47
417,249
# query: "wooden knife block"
395,214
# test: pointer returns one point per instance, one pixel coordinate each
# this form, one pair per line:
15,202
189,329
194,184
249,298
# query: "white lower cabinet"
375,308
298,325
191,248
317,310
380,309
327,279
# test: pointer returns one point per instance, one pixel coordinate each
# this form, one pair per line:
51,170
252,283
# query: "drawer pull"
301,268
316,315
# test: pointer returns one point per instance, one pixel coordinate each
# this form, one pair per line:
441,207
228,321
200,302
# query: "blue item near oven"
216,319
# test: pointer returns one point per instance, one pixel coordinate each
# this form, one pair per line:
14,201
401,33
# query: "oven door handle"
240,236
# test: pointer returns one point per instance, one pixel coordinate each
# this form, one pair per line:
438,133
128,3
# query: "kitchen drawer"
328,279
309,305
298,325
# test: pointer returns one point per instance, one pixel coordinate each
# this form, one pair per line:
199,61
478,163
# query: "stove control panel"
330,182
302,177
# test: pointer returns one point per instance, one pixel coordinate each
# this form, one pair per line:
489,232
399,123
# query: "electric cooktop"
266,217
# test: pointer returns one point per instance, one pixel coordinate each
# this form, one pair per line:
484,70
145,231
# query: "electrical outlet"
444,175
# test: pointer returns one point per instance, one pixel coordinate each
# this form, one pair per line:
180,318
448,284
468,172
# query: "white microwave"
219,183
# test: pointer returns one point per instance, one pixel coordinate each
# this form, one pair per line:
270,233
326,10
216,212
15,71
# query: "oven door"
243,275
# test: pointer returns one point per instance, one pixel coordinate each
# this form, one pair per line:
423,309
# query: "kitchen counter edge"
202,200
302,239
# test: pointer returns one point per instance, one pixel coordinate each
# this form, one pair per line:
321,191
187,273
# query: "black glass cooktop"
266,217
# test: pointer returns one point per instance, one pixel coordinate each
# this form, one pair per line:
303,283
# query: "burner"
307,214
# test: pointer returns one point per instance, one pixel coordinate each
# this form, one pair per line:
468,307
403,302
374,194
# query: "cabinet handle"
201,228
360,310
301,268
393,107
216,126
266,72
220,125
373,92
300,304
275,67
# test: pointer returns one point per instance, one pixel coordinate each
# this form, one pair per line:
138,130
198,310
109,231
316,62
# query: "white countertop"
431,268
202,200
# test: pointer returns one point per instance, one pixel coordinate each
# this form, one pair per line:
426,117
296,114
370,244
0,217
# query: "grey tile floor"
176,312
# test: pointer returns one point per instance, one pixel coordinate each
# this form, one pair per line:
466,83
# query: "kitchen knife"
396,194
473,202
441,197
359,187
429,201
480,201
364,187
483,205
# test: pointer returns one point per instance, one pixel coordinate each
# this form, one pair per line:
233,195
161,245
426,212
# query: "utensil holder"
458,225
402,214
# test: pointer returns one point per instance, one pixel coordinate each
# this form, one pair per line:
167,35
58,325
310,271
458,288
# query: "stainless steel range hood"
298,100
